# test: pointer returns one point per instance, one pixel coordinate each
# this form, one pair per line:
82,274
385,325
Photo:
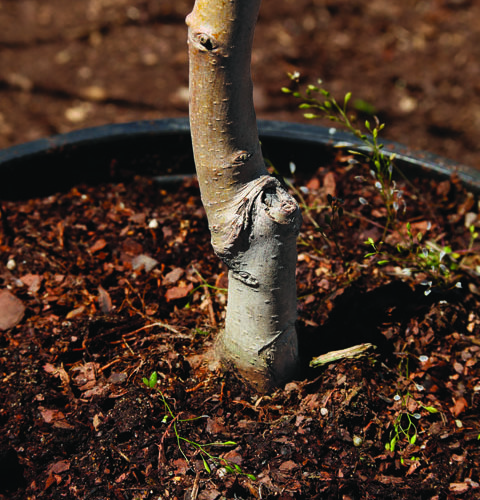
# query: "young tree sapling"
254,221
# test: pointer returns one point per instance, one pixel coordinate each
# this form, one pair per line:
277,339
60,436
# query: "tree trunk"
253,220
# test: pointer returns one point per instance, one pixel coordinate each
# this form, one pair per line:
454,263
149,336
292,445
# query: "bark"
253,220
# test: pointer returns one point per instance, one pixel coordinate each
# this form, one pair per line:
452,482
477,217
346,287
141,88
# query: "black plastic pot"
163,148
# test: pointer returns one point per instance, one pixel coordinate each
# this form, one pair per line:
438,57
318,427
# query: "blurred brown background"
68,64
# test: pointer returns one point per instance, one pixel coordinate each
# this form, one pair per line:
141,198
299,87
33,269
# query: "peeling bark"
253,220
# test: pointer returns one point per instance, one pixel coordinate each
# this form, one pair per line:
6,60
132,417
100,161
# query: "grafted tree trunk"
253,220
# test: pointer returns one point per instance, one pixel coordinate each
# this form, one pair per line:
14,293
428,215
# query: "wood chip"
11,310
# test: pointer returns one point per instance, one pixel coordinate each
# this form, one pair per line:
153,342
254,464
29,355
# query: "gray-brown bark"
254,222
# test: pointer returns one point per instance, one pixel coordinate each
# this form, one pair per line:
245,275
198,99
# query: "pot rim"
268,129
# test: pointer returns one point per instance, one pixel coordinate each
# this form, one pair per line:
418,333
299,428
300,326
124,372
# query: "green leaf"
230,469
393,442
229,443
430,409
152,382
382,262
253,478
348,96
409,230
413,439
207,467
286,90
310,116
364,107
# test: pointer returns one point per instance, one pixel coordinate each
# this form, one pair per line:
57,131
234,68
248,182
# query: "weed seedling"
321,104
173,421
473,236
405,425
416,255
419,256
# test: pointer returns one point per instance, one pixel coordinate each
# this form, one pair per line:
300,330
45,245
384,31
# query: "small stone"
63,57
357,441
94,93
20,81
78,113
149,59
133,13
407,104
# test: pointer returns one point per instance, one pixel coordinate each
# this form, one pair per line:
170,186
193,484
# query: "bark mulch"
105,284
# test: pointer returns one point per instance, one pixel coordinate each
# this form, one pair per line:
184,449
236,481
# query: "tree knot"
233,223
246,278
204,41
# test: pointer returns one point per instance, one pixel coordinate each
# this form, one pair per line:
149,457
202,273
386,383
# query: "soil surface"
67,65
103,285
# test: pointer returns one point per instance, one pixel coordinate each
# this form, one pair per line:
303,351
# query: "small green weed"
173,421
206,287
415,255
418,255
199,331
405,429
409,252
473,236
321,104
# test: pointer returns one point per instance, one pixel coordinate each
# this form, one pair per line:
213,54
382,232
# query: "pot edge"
269,130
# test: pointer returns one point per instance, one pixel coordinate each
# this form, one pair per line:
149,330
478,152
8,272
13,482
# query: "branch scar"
204,41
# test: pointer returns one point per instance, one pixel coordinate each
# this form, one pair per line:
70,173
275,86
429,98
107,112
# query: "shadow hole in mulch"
358,316
11,471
